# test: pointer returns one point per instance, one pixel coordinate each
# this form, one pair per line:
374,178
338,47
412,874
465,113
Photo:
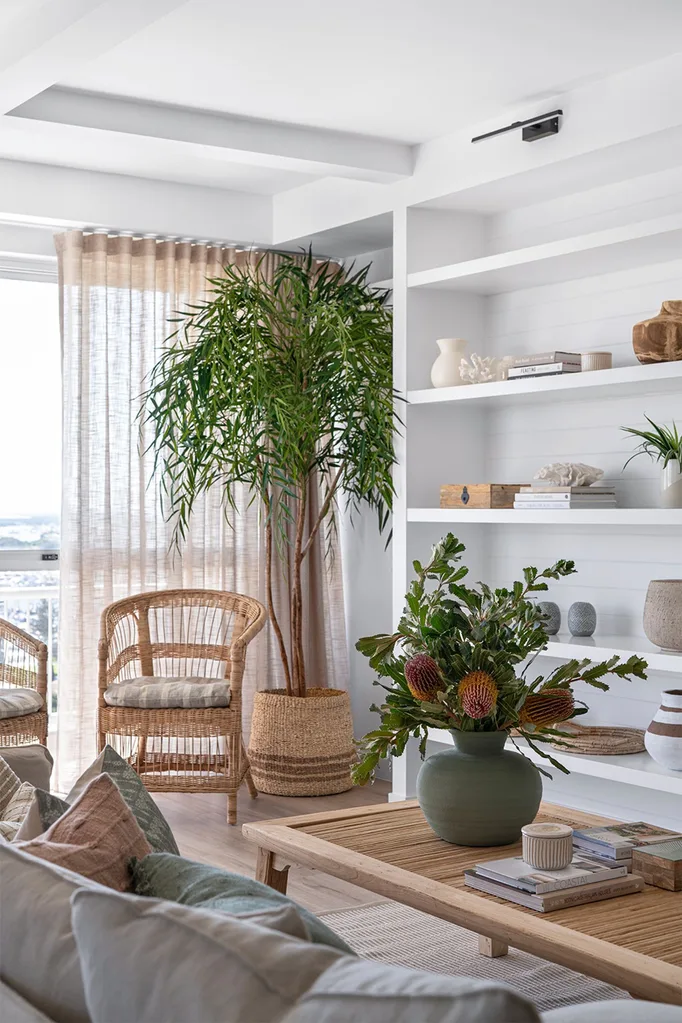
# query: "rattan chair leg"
231,807
253,791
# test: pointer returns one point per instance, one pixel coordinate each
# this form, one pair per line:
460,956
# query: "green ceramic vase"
479,793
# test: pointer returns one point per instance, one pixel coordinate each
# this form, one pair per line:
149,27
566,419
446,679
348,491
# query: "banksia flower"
477,694
424,677
548,707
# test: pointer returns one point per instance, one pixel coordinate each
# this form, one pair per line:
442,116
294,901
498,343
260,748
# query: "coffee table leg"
267,873
491,947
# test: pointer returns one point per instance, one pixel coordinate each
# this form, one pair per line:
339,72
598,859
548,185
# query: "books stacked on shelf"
544,364
614,844
541,497
585,880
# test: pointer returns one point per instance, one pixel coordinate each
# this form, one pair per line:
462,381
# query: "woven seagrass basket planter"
301,746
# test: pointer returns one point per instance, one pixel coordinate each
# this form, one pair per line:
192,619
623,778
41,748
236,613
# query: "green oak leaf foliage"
465,629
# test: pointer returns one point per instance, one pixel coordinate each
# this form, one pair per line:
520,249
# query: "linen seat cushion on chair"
15,702
154,693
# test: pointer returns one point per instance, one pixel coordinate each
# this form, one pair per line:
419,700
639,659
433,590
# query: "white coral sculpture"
569,474
481,370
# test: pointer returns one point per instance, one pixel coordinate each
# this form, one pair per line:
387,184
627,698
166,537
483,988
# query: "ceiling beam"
47,43
234,139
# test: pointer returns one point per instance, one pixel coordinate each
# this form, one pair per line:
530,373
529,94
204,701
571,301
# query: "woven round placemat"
601,741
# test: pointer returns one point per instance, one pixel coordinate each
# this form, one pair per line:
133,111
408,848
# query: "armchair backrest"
178,632
23,659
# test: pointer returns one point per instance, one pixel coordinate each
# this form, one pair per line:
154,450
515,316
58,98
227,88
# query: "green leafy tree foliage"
467,630
281,385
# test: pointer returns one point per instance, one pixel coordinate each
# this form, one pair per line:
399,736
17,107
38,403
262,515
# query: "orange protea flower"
477,694
547,707
423,676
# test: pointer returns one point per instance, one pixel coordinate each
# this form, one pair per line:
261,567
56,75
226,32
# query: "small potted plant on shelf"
662,444
280,386
461,659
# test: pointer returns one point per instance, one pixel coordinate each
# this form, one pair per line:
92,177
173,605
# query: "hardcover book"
618,840
543,369
544,357
514,871
627,885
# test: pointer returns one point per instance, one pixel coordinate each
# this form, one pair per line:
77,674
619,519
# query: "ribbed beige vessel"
301,746
547,846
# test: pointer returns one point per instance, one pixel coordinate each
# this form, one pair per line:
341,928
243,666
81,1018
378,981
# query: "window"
30,469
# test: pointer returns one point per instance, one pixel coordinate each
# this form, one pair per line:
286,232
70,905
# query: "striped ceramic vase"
663,737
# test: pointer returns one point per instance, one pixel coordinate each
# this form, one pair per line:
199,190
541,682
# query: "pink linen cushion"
96,837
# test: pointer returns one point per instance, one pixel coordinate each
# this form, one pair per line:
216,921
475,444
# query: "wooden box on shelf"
479,495
660,864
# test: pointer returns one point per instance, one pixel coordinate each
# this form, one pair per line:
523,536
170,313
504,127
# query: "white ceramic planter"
671,486
445,371
663,738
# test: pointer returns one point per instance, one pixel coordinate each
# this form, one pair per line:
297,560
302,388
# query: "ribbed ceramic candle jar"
547,846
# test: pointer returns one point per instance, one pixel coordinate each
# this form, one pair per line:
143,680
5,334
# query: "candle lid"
547,830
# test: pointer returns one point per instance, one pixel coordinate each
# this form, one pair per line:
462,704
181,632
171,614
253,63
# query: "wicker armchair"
196,635
23,666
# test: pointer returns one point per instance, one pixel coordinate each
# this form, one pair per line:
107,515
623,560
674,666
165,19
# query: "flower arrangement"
452,663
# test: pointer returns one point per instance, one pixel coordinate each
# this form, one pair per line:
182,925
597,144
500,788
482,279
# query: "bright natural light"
30,416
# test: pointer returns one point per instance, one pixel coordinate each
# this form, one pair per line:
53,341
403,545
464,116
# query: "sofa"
214,948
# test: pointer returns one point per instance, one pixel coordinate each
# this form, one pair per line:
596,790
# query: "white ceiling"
408,70
400,70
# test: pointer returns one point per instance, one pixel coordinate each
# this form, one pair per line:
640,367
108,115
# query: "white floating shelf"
600,648
386,285
600,252
573,517
631,769
621,382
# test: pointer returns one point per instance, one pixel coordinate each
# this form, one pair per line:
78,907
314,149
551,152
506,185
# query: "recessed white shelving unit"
523,275
599,252
625,381
632,769
573,516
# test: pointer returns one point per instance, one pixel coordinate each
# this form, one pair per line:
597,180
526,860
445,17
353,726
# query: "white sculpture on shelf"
481,370
569,474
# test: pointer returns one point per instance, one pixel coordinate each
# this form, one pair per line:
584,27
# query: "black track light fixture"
533,129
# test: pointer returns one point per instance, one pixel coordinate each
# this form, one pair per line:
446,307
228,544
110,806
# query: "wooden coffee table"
634,941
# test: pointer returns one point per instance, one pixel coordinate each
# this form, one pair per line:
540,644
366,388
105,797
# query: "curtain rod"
208,241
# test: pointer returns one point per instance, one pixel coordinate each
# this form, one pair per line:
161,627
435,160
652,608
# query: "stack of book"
614,844
585,880
540,497
544,364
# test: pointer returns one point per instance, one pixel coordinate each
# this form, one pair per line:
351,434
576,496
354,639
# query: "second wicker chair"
170,688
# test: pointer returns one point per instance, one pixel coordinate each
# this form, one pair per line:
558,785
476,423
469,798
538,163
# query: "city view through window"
30,479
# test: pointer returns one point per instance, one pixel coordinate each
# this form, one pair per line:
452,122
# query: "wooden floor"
202,833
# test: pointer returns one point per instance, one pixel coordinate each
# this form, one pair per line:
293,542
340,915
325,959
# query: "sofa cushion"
152,693
30,763
96,837
619,1011
15,701
9,783
16,810
356,989
184,965
44,811
15,1009
38,955
197,884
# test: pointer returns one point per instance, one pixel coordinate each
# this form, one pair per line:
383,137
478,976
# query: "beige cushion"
30,763
152,693
615,1012
148,961
15,1009
38,955
9,783
15,701
16,810
97,836
354,990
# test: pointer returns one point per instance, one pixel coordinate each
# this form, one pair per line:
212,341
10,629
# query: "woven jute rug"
403,936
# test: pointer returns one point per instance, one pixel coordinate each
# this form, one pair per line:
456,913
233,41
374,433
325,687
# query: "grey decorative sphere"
582,619
552,613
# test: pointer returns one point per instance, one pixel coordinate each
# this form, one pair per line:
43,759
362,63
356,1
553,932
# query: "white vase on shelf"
671,486
445,371
663,738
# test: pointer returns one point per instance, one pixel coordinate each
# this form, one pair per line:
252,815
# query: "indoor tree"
282,383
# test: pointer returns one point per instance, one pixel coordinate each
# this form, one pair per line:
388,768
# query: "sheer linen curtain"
117,294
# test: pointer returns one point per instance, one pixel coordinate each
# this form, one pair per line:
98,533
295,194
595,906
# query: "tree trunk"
297,652
271,606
